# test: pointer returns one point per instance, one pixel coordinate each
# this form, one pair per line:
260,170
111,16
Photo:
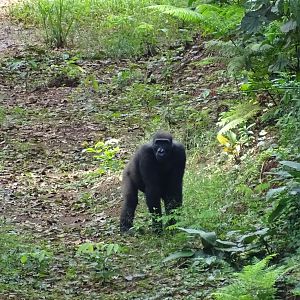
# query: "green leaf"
179,254
184,14
273,192
245,86
289,26
208,238
291,164
251,236
231,249
85,248
279,208
283,174
111,248
24,259
251,22
225,244
192,231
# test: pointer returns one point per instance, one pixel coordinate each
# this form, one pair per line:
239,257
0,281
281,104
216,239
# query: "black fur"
157,170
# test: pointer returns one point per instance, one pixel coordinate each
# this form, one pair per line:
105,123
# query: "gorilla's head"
162,146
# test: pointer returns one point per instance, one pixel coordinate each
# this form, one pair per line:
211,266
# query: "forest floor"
50,190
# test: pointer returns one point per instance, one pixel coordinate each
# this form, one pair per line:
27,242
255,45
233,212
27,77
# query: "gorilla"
157,170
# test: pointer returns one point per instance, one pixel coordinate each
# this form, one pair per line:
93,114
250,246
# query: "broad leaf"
222,139
231,249
251,236
289,26
191,230
283,174
179,254
225,244
281,63
208,238
292,164
273,192
24,259
277,211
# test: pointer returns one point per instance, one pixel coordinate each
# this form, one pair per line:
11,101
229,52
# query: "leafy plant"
143,95
37,260
103,28
96,256
275,27
184,14
213,19
57,19
284,217
106,154
255,282
230,144
127,77
212,246
238,114
85,200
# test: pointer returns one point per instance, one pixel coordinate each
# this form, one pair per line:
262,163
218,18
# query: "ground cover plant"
84,83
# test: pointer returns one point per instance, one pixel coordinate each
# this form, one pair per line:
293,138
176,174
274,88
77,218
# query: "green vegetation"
254,282
95,81
115,28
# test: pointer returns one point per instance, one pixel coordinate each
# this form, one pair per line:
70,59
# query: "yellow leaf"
222,139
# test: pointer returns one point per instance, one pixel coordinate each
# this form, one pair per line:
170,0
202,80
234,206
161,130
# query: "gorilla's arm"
150,175
173,194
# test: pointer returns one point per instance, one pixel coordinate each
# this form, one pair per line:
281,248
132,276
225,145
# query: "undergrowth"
102,28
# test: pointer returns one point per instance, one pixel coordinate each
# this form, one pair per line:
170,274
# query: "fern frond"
254,282
239,114
183,14
208,8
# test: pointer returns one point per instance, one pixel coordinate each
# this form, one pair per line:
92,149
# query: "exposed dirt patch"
13,37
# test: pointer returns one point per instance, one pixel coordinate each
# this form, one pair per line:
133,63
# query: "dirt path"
11,35
42,174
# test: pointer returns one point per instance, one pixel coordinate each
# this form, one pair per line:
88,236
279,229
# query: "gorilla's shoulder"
178,147
145,148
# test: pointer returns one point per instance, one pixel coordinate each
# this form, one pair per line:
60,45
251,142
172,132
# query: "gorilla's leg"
172,201
154,206
130,195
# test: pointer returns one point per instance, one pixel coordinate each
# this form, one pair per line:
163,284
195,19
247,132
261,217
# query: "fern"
239,114
219,21
212,18
183,14
255,282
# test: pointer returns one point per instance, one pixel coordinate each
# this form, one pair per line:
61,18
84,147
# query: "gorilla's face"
162,149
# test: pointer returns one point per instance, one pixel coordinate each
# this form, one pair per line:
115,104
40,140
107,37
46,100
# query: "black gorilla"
157,170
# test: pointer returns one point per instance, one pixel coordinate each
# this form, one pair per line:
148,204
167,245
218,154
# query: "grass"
215,202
